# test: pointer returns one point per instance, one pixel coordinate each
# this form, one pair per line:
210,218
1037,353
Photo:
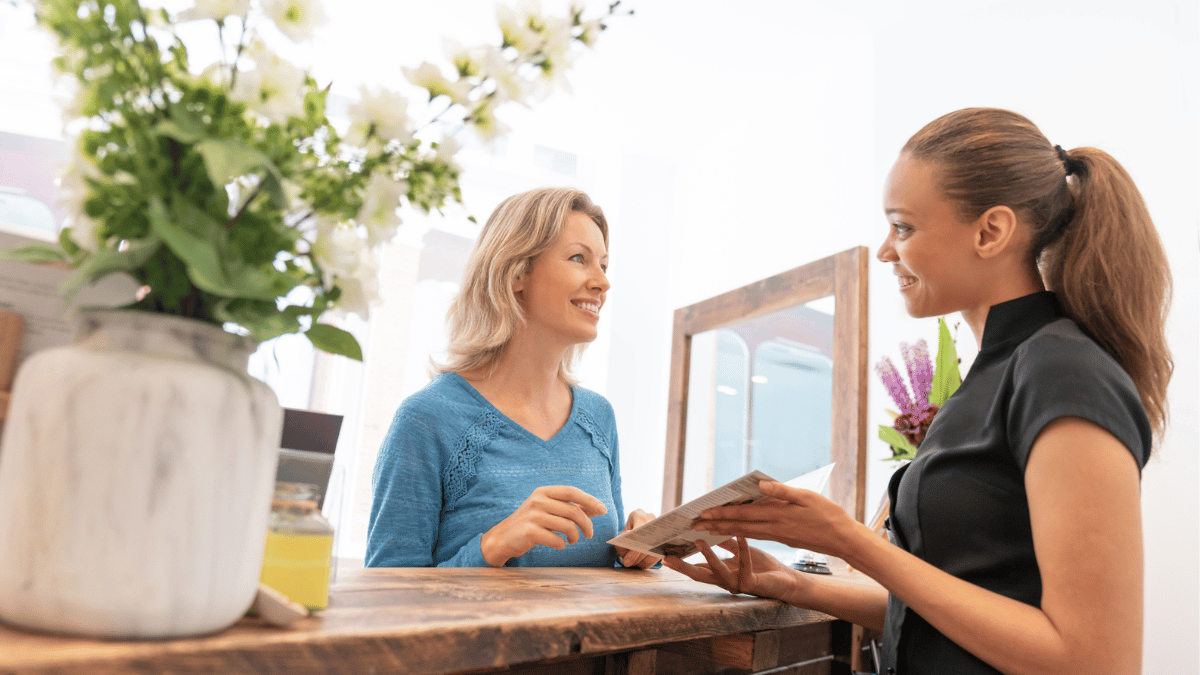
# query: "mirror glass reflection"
760,396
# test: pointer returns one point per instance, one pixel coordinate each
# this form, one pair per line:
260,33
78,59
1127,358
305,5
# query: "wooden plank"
787,289
848,440
632,663
430,621
12,326
677,407
752,651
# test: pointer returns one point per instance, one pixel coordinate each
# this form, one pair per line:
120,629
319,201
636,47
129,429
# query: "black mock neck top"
960,504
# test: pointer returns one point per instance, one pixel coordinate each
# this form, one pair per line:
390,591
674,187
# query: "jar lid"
296,491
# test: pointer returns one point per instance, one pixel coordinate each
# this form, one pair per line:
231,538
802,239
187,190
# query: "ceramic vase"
136,474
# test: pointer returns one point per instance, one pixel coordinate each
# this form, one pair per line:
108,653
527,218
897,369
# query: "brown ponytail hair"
1093,241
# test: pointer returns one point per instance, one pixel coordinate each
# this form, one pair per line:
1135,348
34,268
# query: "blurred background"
728,142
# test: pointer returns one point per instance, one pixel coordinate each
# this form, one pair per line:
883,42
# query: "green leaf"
35,253
106,261
263,319
901,448
945,374
180,130
334,340
226,159
200,242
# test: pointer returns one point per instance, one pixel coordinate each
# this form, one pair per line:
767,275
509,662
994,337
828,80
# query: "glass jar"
299,547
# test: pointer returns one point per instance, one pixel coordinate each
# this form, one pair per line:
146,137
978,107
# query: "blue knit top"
452,466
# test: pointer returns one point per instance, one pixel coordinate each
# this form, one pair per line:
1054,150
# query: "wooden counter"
434,621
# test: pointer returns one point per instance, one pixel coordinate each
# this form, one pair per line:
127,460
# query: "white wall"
731,141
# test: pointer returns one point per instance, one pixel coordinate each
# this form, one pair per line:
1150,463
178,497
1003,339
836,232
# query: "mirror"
772,376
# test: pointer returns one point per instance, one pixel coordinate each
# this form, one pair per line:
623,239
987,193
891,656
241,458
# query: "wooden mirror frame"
844,276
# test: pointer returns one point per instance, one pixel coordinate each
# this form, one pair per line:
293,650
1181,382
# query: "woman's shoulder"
593,403
444,400
1064,350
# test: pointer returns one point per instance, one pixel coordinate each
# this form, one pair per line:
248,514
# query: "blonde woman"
502,459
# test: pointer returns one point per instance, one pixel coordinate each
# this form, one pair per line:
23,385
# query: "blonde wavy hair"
485,315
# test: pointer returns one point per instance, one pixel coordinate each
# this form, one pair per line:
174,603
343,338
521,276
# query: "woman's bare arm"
1085,511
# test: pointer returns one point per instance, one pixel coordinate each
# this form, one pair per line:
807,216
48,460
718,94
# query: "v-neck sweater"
960,504
452,466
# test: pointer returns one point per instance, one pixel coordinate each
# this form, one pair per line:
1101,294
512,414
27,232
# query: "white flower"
380,201
556,52
382,110
468,62
483,120
348,262
510,86
430,77
591,31
274,88
296,18
446,149
515,26
216,10
73,189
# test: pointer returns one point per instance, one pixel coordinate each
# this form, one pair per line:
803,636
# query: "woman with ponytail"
1015,533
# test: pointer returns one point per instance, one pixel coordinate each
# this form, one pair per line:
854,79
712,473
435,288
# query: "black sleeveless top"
960,505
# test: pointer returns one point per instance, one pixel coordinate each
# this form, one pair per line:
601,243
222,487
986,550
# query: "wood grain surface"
437,620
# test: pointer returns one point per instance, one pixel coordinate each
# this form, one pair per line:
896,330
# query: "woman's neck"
526,375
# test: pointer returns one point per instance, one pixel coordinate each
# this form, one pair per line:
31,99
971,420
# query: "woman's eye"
578,257
900,228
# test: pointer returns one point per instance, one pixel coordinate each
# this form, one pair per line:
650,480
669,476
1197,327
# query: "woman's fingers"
570,494
567,510
728,579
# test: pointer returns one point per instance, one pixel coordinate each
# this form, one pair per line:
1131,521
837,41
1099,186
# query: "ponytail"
1093,240
1110,272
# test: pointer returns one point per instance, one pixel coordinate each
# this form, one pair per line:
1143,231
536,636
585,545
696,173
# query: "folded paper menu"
672,533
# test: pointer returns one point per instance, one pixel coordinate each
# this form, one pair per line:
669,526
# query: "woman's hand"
798,518
750,570
550,513
629,557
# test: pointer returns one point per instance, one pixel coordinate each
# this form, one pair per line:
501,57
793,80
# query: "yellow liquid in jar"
297,565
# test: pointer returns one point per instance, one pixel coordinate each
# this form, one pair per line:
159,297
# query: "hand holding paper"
673,534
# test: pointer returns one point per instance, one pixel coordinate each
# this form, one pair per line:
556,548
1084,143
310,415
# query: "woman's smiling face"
564,288
930,246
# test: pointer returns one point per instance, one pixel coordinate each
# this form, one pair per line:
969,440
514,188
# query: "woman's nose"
886,252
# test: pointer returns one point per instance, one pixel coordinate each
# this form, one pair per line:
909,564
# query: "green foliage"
946,378
901,448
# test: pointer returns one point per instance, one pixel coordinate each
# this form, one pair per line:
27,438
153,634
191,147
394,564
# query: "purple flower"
895,385
920,371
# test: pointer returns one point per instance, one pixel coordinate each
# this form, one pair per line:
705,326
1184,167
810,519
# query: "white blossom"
556,52
430,77
348,262
384,111
515,26
216,10
591,32
295,18
381,198
274,88
510,86
483,120
74,190
446,149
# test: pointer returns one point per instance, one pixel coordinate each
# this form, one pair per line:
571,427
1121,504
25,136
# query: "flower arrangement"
930,389
223,189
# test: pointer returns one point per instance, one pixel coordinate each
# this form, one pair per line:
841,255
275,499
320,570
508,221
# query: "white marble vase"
136,474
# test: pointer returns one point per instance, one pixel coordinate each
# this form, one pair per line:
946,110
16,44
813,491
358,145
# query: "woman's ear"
995,230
